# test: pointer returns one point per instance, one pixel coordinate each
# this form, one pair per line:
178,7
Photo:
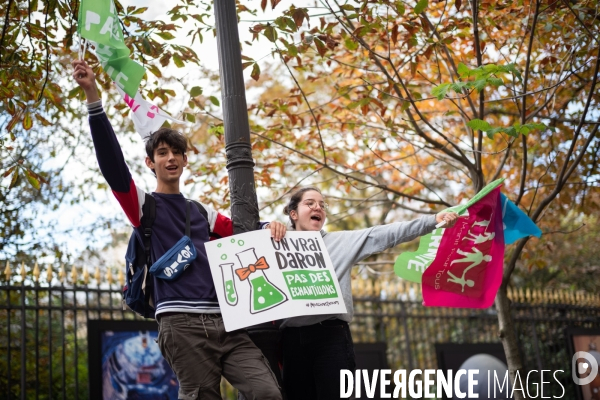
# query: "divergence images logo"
582,367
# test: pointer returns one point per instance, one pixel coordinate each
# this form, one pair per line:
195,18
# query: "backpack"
137,292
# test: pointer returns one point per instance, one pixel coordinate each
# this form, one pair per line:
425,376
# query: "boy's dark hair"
171,137
295,199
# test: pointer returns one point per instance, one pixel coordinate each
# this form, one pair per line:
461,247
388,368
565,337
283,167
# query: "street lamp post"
240,165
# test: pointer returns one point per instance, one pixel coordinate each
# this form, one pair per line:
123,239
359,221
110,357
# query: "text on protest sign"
258,279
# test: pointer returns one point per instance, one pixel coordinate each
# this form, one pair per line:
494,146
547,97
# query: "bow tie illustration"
244,273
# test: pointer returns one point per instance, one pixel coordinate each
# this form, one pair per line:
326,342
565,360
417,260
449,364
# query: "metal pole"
23,342
240,165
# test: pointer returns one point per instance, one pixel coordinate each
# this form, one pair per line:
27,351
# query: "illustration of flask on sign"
229,284
263,294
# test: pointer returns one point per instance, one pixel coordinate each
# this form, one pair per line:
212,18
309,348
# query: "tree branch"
449,59
405,174
594,37
375,57
554,119
524,102
566,171
307,104
475,11
5,28
503,162
350,177
564,232
564,174
291,189
581,154
41,95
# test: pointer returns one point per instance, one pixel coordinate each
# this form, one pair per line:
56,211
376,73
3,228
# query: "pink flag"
467,270
147,118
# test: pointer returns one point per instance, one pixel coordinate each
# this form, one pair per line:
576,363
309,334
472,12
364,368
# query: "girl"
317,347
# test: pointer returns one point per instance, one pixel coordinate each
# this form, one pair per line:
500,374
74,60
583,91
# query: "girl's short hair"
295,200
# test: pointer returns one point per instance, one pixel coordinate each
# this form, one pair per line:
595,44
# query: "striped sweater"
194,292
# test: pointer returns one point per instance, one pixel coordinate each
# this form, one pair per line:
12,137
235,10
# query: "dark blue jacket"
194,291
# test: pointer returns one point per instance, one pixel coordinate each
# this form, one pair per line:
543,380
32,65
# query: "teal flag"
98,22
517,224
410,265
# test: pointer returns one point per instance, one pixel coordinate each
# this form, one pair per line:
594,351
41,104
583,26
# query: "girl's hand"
449,218
278,230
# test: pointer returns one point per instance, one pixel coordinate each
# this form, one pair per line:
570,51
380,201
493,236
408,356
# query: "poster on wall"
125,362
258,279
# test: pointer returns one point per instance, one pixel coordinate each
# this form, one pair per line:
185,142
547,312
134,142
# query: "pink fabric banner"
467,270
147,118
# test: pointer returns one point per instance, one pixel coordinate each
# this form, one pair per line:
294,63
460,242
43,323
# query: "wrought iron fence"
43,320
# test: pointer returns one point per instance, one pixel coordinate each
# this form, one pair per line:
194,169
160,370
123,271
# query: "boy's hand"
278,230
449,218
85,77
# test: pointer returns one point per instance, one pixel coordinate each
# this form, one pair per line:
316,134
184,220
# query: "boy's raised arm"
108,151
86,79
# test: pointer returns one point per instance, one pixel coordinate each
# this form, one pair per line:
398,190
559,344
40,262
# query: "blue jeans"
313,357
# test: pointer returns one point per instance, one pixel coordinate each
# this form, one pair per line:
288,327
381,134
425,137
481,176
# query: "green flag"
410,265
99,23
482,193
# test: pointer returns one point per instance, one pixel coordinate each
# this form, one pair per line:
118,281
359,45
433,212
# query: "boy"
191,336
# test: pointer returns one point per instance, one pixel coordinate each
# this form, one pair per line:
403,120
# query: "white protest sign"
258,279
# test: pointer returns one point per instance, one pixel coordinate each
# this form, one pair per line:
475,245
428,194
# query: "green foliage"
514,131
214,100
421,6
480,125
29,189
41,110
482,77
196,91
216,130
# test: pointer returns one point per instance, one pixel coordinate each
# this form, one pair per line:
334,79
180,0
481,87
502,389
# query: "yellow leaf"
13,122
255,72
32,179
155,71
43,120
13,181
177,60
166,35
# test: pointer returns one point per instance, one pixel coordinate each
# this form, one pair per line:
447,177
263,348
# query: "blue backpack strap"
204,213
148,217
